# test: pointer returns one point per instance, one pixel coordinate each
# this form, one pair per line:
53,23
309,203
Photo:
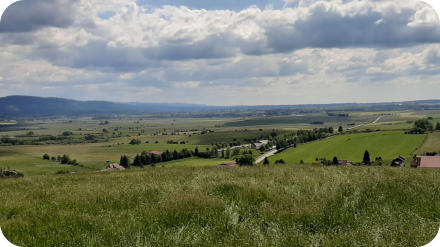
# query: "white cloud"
315,51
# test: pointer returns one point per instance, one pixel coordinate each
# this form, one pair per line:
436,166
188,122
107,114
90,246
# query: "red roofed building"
426,162
156,153
230,164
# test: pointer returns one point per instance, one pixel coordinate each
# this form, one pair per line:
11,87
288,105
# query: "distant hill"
29,106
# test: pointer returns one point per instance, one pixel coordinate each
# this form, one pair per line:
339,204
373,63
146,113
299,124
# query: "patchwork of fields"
385,144
93,156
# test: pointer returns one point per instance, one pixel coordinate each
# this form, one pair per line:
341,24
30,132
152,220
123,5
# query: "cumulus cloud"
30,15
168,48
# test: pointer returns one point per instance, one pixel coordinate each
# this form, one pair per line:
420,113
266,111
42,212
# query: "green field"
298,119
432,144
257,206
93,156
386,144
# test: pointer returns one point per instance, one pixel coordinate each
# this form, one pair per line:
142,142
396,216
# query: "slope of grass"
258,206
386,144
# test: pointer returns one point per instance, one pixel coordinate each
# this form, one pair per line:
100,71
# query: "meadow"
92,156
432,144
286,205
298,119
385,144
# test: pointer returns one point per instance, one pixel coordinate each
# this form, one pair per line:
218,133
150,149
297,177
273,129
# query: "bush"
60,172
46,157
135,142
281,161
65,159
245,160
266,161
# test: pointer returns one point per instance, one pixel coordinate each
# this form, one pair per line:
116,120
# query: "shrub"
245,160
65,159
281,161
60,172
266,161
135,142
46,157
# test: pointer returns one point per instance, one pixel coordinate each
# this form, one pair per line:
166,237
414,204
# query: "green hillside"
211,206
386,144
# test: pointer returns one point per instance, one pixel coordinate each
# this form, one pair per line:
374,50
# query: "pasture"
432,144
385,144
210,206
93,156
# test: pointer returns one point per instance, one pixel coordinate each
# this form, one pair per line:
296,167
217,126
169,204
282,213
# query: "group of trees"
366,160
148,158
245,160
423,126
302,136
64,159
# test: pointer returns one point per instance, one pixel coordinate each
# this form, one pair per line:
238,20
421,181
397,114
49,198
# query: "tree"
135,142
437,126
266,161
67,133
366,158
421,126
65,159
46,157
228,153
137,161
340,129
335,161
245,160
330,130
124,161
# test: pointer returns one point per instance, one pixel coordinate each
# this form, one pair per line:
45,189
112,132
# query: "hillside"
386,144
29,106
259,206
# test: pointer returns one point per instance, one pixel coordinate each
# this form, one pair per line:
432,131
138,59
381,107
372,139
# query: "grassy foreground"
211,206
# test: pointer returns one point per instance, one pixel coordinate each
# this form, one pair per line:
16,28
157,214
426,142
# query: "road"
266,155
360,125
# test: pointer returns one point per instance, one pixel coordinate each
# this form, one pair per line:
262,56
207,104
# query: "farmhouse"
398,162
114,167
259,144
426,162
344,163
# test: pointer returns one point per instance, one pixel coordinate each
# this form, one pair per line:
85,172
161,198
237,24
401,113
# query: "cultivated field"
432,144
385,144
259,206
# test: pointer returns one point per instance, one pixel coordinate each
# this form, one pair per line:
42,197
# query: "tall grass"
210,206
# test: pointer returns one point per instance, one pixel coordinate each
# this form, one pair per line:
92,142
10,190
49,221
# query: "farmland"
193,202
385,144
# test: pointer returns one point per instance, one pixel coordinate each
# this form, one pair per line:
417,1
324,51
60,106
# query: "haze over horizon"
265,52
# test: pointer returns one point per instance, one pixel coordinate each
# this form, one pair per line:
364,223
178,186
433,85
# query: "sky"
221,52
